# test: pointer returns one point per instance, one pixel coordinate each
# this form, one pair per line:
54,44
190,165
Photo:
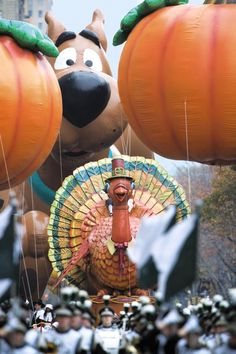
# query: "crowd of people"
142,327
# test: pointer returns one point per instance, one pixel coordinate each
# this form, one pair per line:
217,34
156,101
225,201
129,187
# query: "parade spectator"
38,313
48,315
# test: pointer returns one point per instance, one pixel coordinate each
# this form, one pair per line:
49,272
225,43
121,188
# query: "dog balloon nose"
84,95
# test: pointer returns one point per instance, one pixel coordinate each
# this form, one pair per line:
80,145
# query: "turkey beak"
120,193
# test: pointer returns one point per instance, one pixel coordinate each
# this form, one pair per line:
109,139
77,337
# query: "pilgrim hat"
118,169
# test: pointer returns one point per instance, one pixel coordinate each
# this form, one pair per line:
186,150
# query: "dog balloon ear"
97,26
132,185
55,27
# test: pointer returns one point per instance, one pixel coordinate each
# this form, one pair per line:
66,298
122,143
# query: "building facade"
32,11
10,9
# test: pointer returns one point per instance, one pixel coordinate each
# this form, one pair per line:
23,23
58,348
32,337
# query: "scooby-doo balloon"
93,117
93,120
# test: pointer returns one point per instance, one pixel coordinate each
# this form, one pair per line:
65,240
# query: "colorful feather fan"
80,224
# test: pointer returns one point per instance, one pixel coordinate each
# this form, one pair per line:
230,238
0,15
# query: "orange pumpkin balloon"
177,82
30,114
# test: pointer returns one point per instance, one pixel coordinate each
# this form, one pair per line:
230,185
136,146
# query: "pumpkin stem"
28,36
135,15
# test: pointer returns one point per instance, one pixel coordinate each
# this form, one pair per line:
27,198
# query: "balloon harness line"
23,258
5,163
187,153
35,246
60,156
13,288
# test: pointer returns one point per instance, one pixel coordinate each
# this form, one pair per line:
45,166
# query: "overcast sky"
76,14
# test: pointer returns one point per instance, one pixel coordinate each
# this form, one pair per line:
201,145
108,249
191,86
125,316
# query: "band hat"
15,325
221,321
77,310
63,311
107,312
172,318
88,315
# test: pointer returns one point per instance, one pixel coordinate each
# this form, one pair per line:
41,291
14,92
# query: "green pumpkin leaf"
28,36
135,15
130,19
120,37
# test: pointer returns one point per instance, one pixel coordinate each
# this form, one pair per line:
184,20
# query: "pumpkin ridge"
38,153
8,49
161,90
212,64
34,160
36,157
50,89
128,70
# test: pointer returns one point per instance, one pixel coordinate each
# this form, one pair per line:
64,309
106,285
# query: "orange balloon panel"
30,114
177,81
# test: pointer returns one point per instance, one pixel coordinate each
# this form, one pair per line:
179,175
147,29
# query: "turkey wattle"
96,214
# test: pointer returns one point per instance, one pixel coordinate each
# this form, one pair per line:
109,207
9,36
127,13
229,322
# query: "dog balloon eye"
70,62
89,63
92,60
65,59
